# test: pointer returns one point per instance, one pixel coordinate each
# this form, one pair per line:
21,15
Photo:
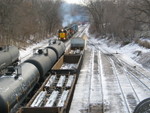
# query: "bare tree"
23,21
142,7
96,9
110,17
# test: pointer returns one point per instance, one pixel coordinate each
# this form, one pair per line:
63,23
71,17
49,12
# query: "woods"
22,20
122,20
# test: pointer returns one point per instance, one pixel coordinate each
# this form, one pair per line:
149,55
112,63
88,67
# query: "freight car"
56,93
77,43
73,29
8,56
52,97
15,87
67,32
77,46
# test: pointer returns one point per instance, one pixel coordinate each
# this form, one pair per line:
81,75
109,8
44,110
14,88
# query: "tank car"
77,42
43,61
15,87
8,55
47,57
143,106
58,47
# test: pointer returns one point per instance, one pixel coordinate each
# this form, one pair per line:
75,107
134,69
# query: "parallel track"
132,82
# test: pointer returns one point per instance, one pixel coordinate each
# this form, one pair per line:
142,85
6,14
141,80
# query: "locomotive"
67,32
8,55
15,86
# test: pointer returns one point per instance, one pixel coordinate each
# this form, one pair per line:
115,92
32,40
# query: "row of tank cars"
16,84
67,32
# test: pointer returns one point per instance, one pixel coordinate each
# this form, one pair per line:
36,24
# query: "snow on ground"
111,92
28,52
131,51
128,52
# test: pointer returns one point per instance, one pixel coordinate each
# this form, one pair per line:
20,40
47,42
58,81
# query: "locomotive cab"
62,35
67,32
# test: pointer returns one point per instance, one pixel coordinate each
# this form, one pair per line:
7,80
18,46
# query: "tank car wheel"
143,106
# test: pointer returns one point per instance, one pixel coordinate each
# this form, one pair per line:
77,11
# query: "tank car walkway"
109,85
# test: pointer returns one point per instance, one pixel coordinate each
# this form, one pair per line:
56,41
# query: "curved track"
109,84
133,84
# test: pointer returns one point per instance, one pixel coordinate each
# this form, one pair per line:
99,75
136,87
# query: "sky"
74,1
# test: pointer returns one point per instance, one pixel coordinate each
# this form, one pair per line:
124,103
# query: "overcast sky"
74,1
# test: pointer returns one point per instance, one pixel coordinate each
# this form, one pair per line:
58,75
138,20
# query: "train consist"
56,93
67,32
58,69
17,84
9,55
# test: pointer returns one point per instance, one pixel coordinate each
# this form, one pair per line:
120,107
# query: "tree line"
122,20
23,20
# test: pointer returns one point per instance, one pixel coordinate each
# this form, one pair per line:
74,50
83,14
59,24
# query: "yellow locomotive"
67,32
62,34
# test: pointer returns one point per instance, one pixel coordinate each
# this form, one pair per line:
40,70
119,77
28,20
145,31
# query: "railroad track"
89,83
132,71
134,85
144,78
126,88
112,84
96,93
